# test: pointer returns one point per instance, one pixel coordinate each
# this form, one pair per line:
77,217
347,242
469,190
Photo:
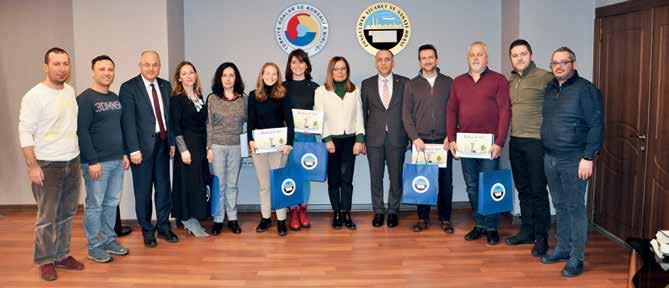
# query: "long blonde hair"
278,91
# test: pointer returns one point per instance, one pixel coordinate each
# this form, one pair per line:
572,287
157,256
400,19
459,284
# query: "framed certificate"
474,145
434,154
307,121
270,140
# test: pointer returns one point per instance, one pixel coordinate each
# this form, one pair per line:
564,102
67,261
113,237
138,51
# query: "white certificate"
307,121
474,145
270,140
434,154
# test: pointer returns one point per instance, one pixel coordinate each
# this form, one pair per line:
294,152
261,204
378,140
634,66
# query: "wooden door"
623,75
657,179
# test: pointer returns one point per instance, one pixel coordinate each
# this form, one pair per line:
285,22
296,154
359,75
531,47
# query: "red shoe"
48,272
294,219
304,219
70,263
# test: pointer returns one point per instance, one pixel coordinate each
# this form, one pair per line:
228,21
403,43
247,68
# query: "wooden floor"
316,257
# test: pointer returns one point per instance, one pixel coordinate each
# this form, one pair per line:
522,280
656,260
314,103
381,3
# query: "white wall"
241,31
218,31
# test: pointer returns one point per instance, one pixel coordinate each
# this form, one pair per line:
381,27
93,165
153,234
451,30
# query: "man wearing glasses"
571,132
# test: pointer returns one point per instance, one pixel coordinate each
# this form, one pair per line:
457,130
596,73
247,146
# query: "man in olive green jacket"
526,84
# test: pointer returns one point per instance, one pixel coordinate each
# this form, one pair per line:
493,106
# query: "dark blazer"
376,117
138,122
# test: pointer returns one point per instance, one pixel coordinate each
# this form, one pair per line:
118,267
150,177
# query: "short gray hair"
478,43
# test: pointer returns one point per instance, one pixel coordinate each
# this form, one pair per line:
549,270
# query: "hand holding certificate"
434,154
474,145
269,140
307,121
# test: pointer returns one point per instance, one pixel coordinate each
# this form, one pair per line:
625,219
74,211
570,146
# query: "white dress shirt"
390,86
147,85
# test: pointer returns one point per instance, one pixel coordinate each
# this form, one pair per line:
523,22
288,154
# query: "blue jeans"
226,164
568,194
471,168
102,198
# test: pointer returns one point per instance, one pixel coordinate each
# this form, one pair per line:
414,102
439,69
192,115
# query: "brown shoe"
447,227
70,263
420,225
48,272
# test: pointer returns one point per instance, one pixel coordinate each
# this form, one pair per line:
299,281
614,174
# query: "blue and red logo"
301,26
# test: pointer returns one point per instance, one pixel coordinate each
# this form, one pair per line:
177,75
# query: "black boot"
348,222
216,229
336,220
234,226
523,237
264,225
540,247
282,228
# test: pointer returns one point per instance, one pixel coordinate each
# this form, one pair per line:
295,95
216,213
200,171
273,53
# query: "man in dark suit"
150,143
385,138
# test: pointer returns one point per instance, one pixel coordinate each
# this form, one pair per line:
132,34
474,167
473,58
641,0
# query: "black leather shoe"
336,220
540,247
393,220
264,225
216,229
282,228
348,222
420,225
169,236
476,233
150,241
521,238
378,220
447,227
234,226
125,230
492,237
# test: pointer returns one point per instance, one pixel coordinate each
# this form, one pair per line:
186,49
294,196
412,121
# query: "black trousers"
153,173
445,195
527,164
378,158
340,174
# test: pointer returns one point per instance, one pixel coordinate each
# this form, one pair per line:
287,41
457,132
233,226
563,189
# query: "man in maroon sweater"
479,103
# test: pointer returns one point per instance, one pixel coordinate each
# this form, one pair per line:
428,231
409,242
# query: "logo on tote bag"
309,161
288,187
497,192
420,184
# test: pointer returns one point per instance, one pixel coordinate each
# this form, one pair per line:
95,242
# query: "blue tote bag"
312,159
420,183
495,192
286,186
215,196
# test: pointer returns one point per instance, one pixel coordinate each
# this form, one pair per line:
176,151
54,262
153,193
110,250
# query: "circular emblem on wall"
288,187
383,26
301,26
420,184
497,192
309,161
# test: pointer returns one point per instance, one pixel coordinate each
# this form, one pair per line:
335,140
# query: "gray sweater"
226,119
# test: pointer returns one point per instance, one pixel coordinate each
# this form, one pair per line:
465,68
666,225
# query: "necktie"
386,94
159,115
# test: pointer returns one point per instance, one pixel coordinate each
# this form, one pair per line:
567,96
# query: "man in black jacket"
571,133
385,138
150,143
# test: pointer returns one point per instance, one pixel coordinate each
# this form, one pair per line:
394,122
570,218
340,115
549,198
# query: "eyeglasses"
339,69
561,63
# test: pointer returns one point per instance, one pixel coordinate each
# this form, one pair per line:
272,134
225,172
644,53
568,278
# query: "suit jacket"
376,117
138,121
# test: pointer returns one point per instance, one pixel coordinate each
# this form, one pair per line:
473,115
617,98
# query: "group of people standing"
555,119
